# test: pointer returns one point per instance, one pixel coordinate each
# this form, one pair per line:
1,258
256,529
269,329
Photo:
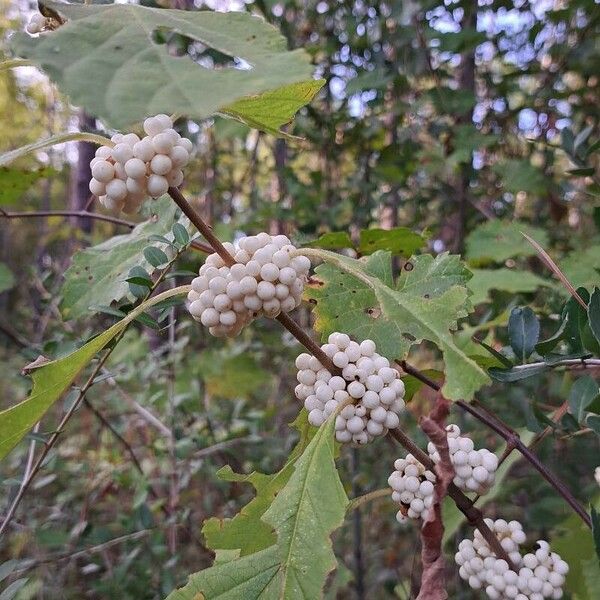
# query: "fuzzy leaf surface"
107,59
98,274
357,297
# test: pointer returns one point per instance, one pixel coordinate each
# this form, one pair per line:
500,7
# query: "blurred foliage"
442,127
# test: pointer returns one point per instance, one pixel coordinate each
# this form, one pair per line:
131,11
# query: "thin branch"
32,564
473,514
513,438
201,247
218,247
569,363
145,413
65,213
513,441
360,500
108,425
50,443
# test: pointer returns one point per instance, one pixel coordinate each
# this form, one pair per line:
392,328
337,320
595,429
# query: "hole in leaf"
374,312
409,337
408,266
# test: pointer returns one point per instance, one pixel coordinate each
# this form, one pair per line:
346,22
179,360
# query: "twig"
201,226
369,497
357,536
146,414
512,437
51,442
108,425
74,406
65,213
32,564
90,215
473,514
218,247
513,441
569,363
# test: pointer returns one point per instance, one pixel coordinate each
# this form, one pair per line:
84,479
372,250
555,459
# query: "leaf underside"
307,509
106,58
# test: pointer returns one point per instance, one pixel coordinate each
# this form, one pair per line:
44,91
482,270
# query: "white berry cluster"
412,487
475,470
539,575
125,175
38,23
375,388
265,280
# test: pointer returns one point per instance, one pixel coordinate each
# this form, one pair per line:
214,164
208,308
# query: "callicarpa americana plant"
405,392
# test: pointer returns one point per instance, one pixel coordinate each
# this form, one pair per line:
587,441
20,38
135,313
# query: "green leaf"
573,323
497,240
519,175
332,241
400,241
303,515
106,60
13,589
7,279
593,422
593,313
431,277
505,280
155,256
246,532
180,234
518,373
583,392
98,274
229,376
355,296
523,331
53,379
15,182
77,136
270,110
575,544
582,267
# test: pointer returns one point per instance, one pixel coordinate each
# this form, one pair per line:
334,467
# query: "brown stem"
89,215
512,437
84,214
513,441
473,514
218,247
201,226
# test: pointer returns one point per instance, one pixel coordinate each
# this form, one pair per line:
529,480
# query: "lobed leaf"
108,60
98,275
356,296
307,509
